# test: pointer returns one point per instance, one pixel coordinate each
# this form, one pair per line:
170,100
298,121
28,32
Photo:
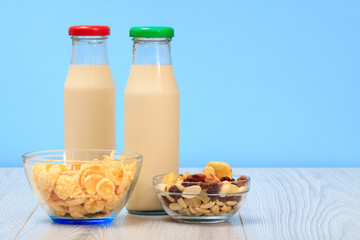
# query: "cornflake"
84,190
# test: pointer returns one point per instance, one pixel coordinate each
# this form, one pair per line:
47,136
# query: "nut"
192,209
200,210
193,190
219,203
185,211
207,205
175,206
182,202
225,209
231,203
215,209
179,186
162,187
204,199
225,188
195,202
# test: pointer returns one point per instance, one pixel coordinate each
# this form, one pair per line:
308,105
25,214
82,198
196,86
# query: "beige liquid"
89,108
151,128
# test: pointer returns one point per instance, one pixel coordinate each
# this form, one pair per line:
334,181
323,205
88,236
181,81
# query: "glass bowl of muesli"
200,198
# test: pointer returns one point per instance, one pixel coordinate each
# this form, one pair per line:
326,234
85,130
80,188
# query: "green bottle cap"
152,32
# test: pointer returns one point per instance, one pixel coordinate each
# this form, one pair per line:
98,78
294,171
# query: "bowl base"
188,219
158,212
94,221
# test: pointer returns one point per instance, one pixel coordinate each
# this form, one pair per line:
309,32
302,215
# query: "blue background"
262,84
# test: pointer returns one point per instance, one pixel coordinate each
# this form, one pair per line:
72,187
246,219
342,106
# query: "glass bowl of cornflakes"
210,197
82,186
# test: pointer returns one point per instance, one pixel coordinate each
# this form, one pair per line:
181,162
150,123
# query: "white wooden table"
283,203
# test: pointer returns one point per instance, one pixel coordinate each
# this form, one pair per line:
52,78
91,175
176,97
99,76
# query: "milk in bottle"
89,94
151,113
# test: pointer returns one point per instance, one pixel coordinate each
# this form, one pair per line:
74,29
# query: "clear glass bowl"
82,186
201,202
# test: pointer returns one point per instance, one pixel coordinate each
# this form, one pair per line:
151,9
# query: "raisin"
242,181
214,188
166,200
175,189
199,177
189,181
204,185
225,179
213,198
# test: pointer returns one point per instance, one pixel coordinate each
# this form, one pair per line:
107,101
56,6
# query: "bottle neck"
151,51
89,50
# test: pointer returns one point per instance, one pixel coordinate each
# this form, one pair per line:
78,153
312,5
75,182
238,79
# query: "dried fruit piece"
186,175
189,181
179,178
209,172
175,189
166,200
169,179
242,181
222,169
91,181
105,188
213,188
199,177
227,179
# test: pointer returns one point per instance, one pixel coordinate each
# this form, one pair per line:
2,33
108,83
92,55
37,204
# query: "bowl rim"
27,157
156,178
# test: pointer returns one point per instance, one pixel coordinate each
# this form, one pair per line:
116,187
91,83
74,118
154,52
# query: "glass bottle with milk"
151,113
89,94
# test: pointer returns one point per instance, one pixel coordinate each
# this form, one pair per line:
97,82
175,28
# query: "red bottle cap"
89,30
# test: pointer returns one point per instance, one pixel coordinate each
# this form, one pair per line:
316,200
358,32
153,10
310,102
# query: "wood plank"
303,203
128,226
16,200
